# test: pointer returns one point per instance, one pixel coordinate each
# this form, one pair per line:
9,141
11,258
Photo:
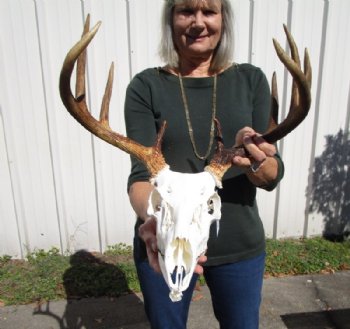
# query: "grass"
306,256
48,275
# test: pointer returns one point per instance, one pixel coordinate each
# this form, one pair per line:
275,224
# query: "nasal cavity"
183,255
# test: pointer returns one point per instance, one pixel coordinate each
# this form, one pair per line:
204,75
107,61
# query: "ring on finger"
256,166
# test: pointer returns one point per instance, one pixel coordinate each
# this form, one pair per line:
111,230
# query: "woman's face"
197,27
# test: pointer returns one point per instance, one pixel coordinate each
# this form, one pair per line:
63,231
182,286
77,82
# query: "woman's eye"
209,12
186,11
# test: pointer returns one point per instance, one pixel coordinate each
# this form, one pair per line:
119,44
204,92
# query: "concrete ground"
300,302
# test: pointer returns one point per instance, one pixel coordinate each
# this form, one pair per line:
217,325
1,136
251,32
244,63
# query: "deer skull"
184,205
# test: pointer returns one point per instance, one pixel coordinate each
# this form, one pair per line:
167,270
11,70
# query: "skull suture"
184,205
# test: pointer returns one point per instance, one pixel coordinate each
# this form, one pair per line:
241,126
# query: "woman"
199,83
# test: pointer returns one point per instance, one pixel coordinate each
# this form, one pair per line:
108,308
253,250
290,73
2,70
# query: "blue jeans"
235,290
162,313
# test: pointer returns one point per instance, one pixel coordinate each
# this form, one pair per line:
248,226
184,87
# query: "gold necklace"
189,125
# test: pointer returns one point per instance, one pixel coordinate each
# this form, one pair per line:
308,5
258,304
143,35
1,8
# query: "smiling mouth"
197,37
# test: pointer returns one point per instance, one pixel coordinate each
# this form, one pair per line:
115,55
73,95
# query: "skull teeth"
179,274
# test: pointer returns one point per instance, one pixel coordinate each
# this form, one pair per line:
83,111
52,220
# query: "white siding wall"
59,186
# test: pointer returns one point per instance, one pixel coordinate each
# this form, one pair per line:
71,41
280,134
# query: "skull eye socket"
214,206
210,207
155,202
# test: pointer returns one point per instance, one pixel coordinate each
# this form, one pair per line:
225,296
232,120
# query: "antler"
299,108
77,107
301,89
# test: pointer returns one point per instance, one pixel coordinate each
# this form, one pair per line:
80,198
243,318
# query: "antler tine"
299,108
274,104
77,107
222,159
301,94
81,63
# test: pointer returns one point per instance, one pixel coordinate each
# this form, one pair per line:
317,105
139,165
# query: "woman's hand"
147,232
199,268
260,166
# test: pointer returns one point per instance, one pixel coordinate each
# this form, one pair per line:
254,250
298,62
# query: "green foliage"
129,271
48,275
306,256
119,249
4,259
35,279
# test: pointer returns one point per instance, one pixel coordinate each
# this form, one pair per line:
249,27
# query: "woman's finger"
147,232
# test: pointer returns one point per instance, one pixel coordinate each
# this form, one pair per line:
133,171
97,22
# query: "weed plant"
49,275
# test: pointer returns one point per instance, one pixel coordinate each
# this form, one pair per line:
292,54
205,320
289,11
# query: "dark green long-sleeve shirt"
243,99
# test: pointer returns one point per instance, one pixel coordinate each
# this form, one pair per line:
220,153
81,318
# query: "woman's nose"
198,19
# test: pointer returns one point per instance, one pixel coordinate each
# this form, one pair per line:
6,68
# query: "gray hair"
224,51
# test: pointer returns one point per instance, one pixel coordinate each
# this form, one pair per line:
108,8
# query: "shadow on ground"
333,319
87,282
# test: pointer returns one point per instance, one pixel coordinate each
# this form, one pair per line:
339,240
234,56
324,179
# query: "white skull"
184,205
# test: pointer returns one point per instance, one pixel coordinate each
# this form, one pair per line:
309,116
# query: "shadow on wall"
330,195
93,286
